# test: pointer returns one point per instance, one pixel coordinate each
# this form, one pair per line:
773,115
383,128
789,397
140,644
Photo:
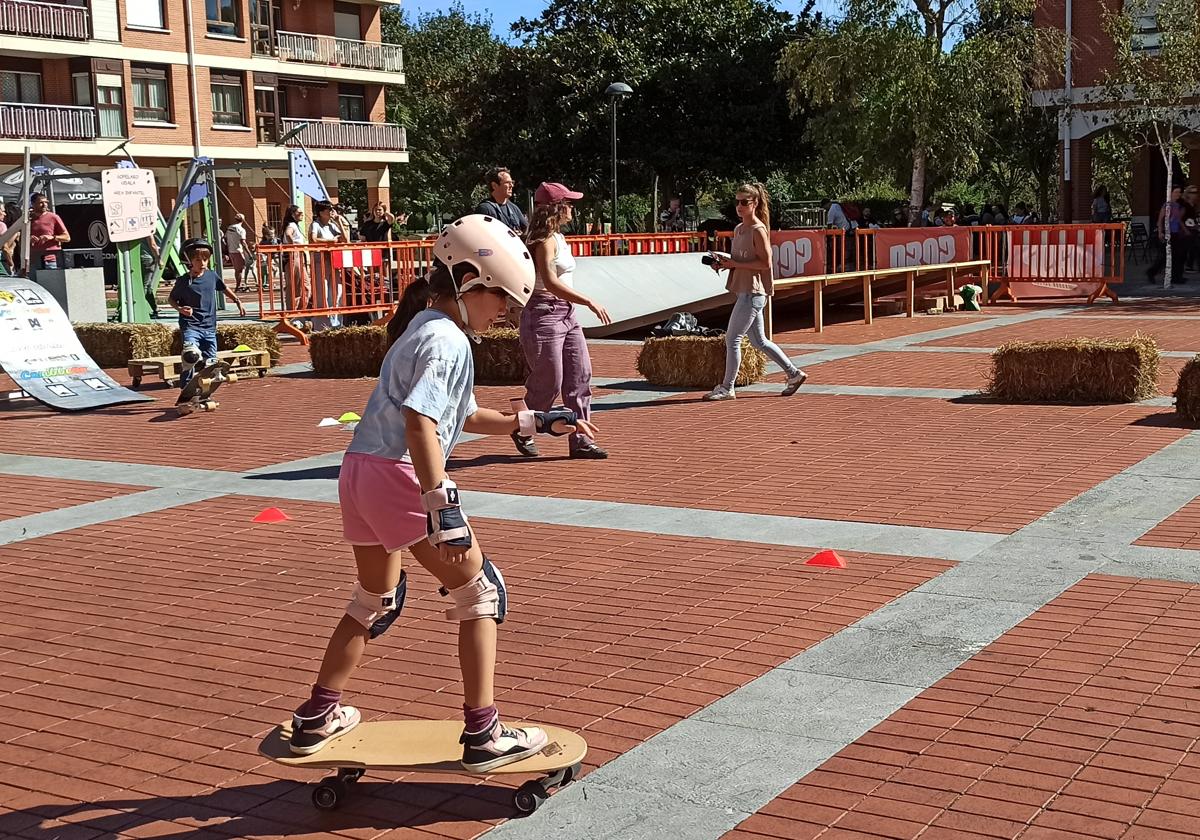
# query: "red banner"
797,253
902,247
1056,263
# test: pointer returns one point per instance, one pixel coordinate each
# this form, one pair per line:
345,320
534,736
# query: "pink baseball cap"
552,193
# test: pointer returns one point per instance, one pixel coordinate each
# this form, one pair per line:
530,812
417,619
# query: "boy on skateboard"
194,297
395,493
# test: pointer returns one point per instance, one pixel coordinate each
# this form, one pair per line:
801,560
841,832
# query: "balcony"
44,20
337,52
353,136
21,121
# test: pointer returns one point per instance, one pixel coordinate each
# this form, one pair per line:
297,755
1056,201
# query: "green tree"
705,102
910,84
447,57
1150,91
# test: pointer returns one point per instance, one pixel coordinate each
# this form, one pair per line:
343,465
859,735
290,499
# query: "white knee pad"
483,596
377,612
190,355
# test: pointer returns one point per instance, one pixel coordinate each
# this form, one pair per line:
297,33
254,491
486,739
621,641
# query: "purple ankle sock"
322,698
478,719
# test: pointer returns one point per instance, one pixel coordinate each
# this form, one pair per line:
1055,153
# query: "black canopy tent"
76,197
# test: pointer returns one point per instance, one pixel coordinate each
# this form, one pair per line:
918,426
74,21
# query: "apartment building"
1084,116
225,79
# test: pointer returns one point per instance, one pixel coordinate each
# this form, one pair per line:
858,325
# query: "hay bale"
1077,370
691,361
230,336
113,345
1187,392
499,359
348,352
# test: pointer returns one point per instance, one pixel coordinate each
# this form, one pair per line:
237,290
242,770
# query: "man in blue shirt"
500,205
195,298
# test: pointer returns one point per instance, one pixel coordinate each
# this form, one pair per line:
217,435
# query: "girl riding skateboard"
395,494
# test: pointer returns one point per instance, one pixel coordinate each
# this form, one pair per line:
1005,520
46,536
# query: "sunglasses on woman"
745,202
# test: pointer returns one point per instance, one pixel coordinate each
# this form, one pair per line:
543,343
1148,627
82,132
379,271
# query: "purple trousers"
553,343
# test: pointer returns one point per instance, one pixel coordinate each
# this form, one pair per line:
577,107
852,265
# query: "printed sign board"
904,247
1053,264
797,253
130,203
41,353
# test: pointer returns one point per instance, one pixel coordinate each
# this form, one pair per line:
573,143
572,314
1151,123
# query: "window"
81,86
147,13
346,22
228,100
151,102
266,111
16,86
223,17
110,105
352,103
274,213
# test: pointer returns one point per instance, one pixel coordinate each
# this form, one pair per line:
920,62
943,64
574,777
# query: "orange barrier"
799,253
1027,261
608,245
323,280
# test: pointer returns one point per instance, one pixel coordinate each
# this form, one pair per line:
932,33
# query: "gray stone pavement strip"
315,479
868,391
95,513
831,694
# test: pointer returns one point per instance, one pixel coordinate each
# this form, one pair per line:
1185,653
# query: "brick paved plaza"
1011,651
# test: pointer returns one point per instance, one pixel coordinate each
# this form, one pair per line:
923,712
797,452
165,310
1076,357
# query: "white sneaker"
720,393
794,382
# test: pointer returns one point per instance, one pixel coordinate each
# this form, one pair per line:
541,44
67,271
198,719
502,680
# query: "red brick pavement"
1170,334
934,370
1141,306
906,461
24,495
1081,722
1180,530
798,330
138,682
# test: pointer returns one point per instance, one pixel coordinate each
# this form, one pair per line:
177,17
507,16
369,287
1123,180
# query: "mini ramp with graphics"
41,353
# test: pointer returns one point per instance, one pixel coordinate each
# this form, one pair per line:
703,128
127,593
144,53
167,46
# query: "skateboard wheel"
328,795
529,796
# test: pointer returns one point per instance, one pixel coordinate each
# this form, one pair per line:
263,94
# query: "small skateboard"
424,746
197,394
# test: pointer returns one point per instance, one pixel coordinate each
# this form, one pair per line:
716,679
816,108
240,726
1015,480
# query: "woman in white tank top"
550,336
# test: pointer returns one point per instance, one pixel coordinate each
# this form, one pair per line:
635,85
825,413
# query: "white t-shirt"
836,217
429,370
325,233
235,235
292,234
564,265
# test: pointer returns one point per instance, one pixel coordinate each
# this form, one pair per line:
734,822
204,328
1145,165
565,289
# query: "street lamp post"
615,91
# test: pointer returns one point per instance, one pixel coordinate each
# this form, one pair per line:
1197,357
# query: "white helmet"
497,254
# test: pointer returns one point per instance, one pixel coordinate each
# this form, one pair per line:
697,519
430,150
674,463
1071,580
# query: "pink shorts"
381,502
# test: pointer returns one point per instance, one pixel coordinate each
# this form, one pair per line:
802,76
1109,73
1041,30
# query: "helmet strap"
462,311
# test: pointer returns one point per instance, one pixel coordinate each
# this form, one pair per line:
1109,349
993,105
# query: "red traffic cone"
271,515
828,558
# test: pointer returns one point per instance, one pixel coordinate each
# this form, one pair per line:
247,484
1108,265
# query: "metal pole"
125,310
25,236
614,164
191,60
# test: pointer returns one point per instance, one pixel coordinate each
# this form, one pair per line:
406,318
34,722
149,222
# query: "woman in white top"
550,336
327,227
295,263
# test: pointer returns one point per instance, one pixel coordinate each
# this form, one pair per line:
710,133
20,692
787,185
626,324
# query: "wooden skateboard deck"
423,746
198,392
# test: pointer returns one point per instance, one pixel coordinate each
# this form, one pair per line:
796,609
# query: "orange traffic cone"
271,515
828,558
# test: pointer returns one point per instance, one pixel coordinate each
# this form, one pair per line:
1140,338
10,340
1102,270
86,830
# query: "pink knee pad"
377,612
483,596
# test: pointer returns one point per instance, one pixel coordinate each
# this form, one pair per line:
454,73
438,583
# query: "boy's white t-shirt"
429,370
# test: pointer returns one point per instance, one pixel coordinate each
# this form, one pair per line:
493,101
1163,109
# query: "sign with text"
797,253
130,203
42,354
1056,263
904,247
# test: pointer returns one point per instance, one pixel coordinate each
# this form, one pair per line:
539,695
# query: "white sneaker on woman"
720,393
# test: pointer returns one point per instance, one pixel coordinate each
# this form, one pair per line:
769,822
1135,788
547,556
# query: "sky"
504,12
